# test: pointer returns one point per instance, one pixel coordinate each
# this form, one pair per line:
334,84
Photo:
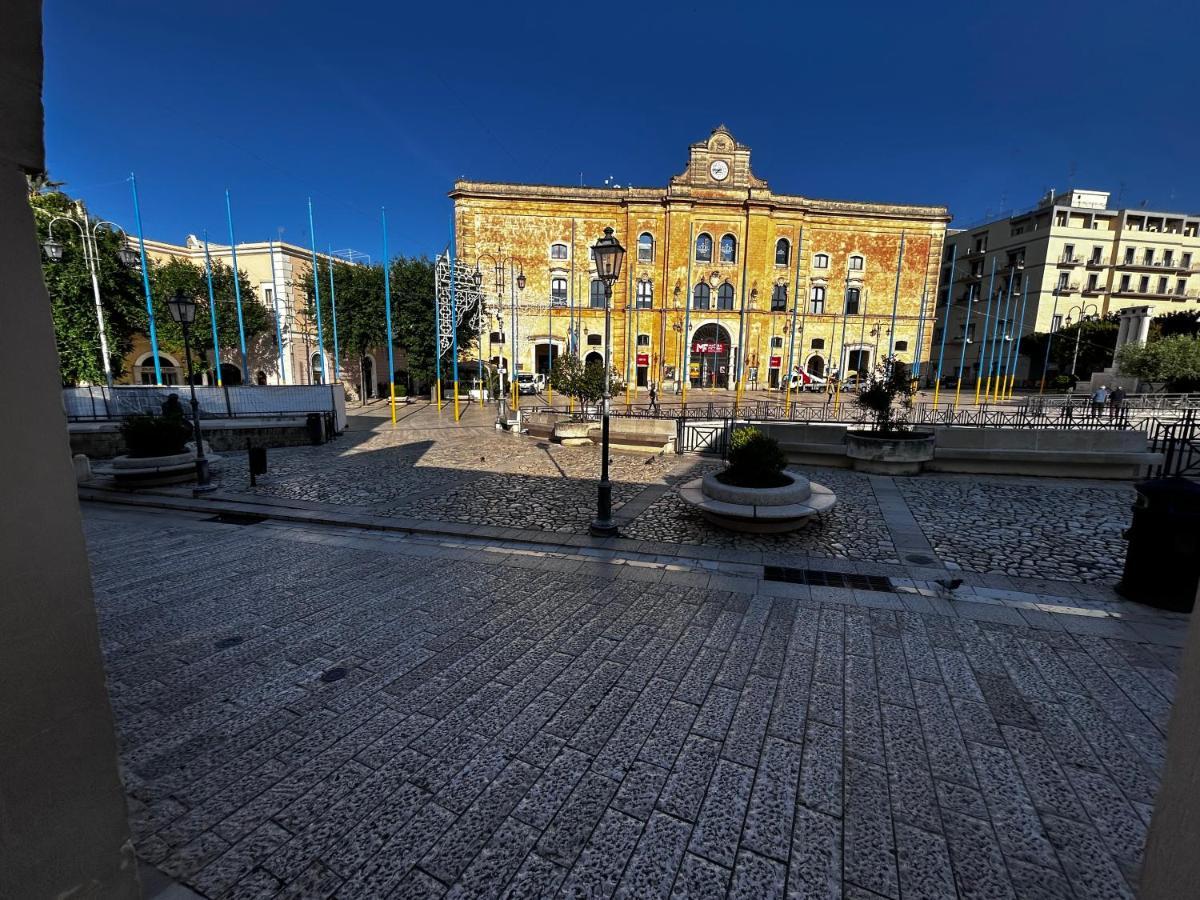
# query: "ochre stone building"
715,265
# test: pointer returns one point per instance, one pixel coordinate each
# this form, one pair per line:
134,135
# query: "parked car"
529,383
803,381
852,382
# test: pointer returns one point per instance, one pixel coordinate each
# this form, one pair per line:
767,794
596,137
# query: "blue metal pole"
797,255
312,234
916,370
1016,354
896,300
337,371
986,318
687,320
237,290
946,325
387,307
278,323
137,215
999,354
453,259
212,309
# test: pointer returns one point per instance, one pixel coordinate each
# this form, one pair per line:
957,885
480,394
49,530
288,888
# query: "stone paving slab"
309,711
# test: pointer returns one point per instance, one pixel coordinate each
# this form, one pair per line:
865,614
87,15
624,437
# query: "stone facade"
765,252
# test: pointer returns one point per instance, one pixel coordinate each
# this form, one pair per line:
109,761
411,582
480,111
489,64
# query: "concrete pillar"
1122,331
1143,328
63,828
1171,868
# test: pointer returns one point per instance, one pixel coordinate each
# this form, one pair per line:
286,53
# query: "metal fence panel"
240,401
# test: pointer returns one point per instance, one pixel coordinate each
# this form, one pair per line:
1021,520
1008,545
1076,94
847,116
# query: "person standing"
1099,398
1116,403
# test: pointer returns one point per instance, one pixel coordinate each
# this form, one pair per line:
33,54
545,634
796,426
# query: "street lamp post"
88,232
183,311
1049,341
1084,316
609,255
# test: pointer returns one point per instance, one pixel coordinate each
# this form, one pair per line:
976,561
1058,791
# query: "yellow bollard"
439,395
957,391
787,398
456,411
392,386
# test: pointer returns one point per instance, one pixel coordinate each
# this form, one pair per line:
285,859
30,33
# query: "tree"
72,302
1178,322
362,320
183,275
585,382
1174,360
1097,342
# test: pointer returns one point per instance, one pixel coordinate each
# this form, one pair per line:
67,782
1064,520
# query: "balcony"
1091,290
1096,262
1068,287
1158,265
1070,259
1155,294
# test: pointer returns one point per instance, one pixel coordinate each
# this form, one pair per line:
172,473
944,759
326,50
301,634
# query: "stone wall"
103,440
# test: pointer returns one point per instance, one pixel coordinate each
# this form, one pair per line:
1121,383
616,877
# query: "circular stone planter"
150,471
573,434
758,510
891,454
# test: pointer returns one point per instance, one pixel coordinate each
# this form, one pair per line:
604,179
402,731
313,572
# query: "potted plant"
584,384
888,447
755,492
159,451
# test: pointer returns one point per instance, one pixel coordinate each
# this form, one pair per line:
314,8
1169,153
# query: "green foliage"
879,394
72,303
1097,341
1178,322
1174,360
155,435
755,459
183,275
362,317
585,382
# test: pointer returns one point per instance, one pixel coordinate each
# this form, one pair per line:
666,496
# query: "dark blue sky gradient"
362,105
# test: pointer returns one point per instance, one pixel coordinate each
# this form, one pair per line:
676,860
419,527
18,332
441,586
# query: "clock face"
719,169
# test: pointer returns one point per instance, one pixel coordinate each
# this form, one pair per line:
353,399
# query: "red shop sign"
643,359
708,347
775,360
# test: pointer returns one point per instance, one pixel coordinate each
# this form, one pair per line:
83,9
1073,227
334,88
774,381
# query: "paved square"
309,711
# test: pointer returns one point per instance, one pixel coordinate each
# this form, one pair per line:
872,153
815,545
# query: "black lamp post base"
600,528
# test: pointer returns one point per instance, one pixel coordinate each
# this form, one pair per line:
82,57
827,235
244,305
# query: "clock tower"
718,162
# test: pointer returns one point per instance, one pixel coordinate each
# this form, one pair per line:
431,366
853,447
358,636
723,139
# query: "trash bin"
1162,565
258,460
316,428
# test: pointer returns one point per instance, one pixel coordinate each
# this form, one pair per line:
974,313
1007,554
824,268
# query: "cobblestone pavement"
308,712
1039,528
429,468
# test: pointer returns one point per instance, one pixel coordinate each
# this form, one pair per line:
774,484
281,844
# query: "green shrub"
155,435
755,460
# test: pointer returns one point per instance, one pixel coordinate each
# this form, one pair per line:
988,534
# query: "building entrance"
710,357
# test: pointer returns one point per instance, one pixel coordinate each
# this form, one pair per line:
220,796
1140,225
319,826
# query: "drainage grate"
226,643
233,518
822,578
337,673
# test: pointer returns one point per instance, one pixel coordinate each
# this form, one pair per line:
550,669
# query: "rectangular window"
268,295
971,332
776,341
779,298
558,292
1129,256
645,294
1144,284
1068,252
1060,218
1185,261
1181,286
1148,256
1168,257
1162,284
1097,254
1092,279
852,297
1124,283
1055,323
643,340
818,299
596,299
1063,278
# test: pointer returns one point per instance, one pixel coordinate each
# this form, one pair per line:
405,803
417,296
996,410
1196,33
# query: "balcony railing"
1169,294
1096,262
1069,259
1095,288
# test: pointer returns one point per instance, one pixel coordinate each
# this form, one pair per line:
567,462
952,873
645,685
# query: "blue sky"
363,105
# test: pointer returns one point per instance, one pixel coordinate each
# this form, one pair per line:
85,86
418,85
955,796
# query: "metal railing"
99,404
1179,443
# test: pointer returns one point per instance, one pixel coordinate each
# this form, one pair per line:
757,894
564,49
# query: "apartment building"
1068,257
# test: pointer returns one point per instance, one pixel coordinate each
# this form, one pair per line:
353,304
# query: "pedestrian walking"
1099,399
653,396
1116,403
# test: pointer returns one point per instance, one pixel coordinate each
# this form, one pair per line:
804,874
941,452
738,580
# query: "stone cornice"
754,198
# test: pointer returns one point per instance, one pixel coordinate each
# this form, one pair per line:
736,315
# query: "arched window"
779,298
704,248
643,340
852,298
725,296
645,294
856,263
817,344
597,294
558,251
558,292
701,295
783,252
318,377
817,298
821,261
728,249
646,247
